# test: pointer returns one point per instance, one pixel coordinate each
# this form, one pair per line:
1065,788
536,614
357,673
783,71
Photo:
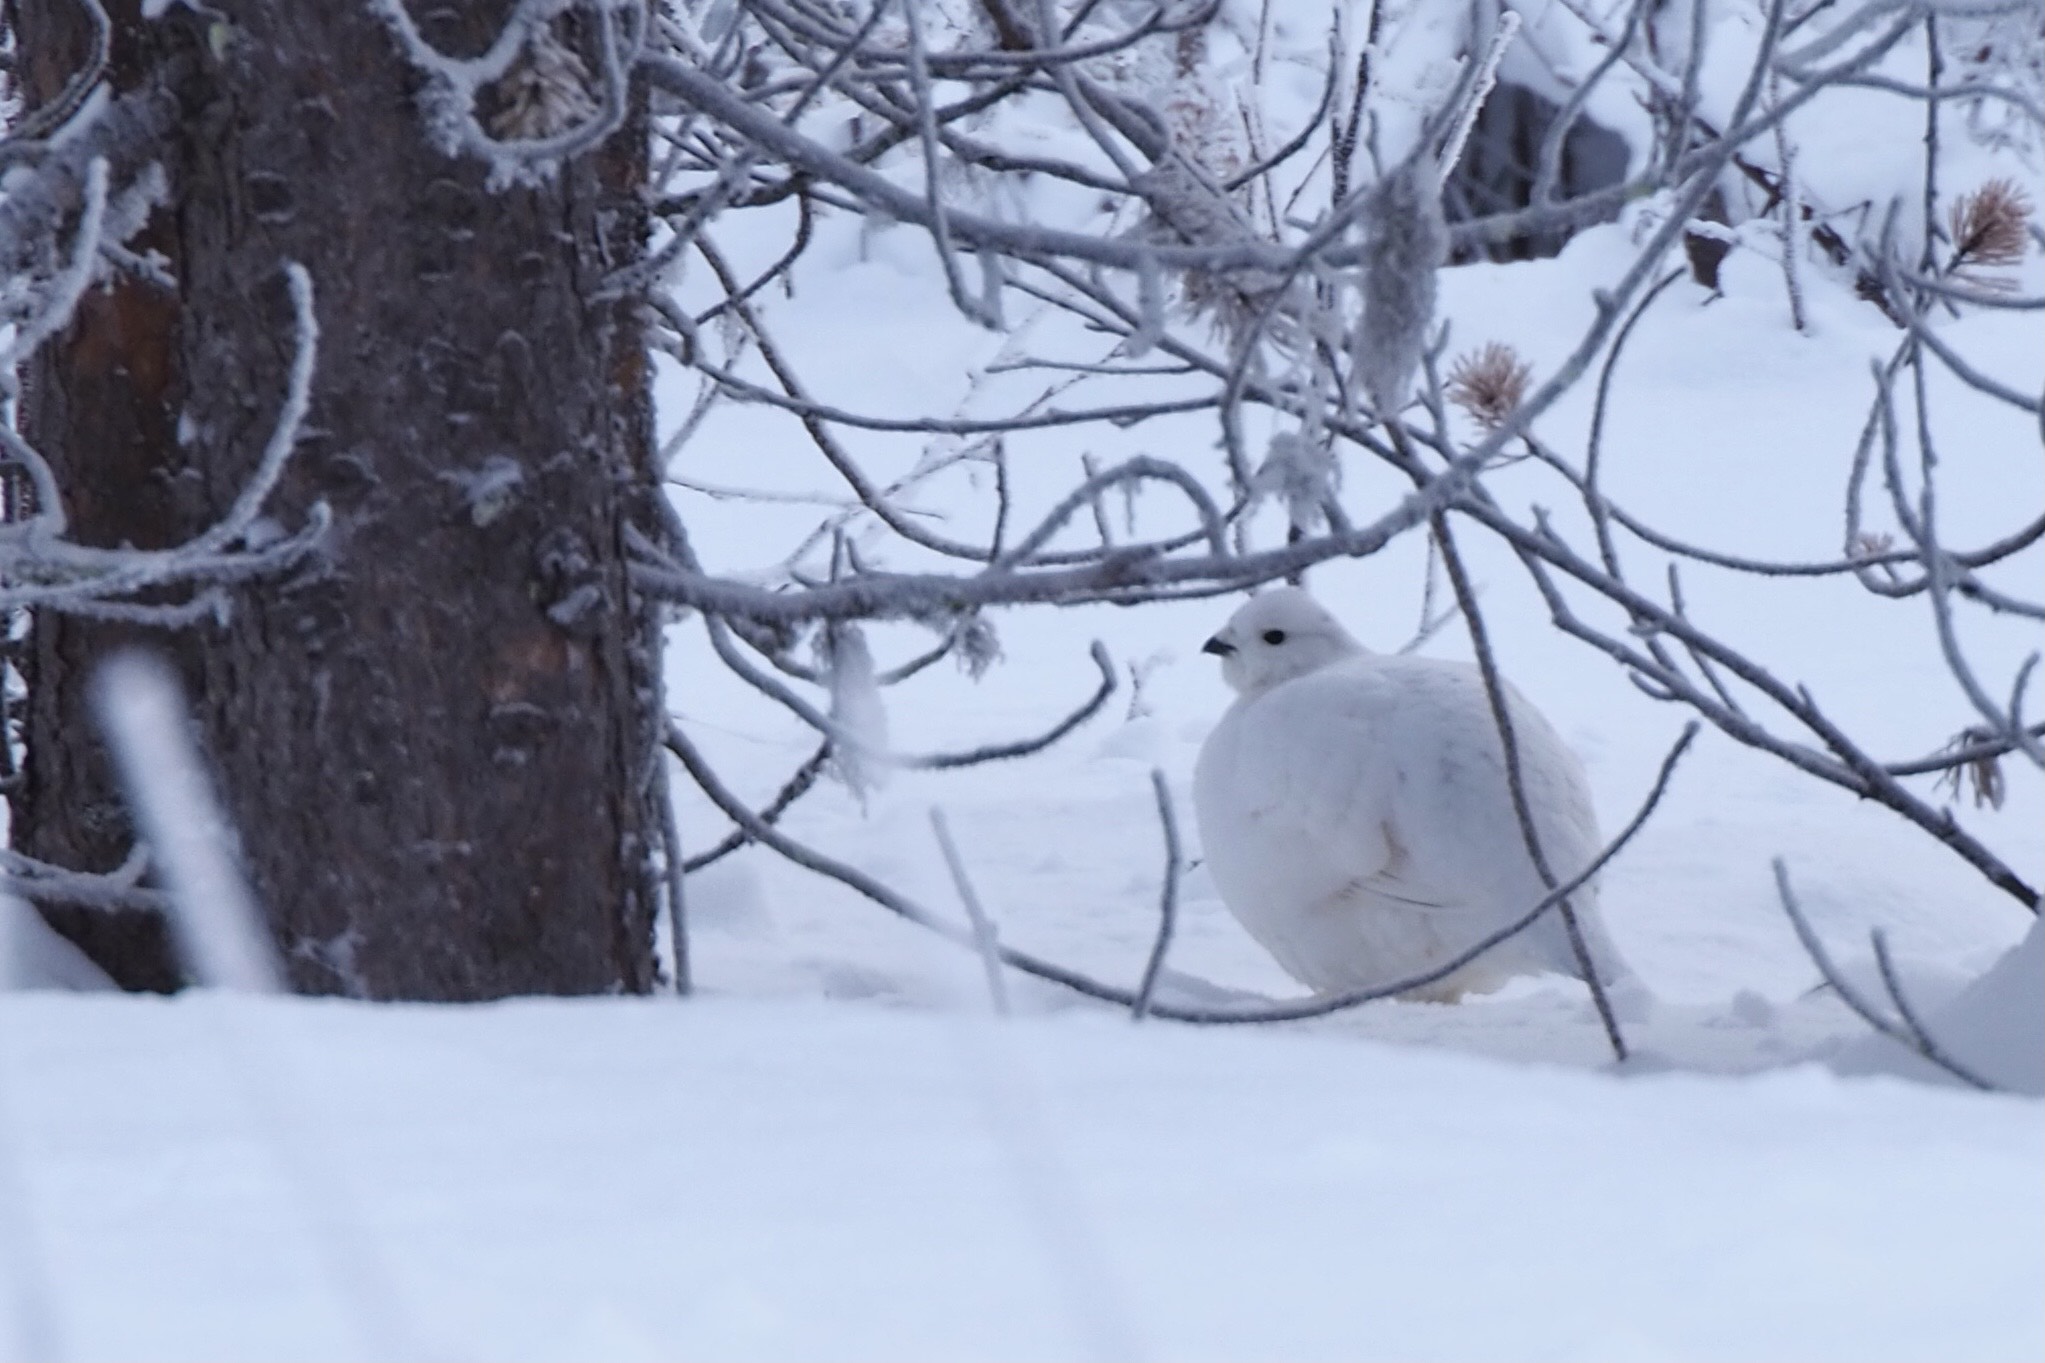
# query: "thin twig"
1908,1033
985,940
1515,780
676,868
794,789
1168,900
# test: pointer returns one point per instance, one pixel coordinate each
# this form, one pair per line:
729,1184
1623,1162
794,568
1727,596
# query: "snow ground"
751,1179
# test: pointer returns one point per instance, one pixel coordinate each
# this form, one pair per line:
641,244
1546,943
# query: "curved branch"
1000,752
55,575
33,132
792,790
1168,900
1910,1032
1116,575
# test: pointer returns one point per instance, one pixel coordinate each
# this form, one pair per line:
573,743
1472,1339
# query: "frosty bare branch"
1501,718
35,131
46,181
40,570
541,142
1909,1031
1846,765
794,789
1121,575
985,940
118,891
1167,904
675,867
60,298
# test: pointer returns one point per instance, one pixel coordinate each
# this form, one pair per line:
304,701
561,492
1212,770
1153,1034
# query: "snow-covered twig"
1167,903
1845,763
1548,176
1122,576
40,571
1023,240
1909,1030
1501,718
33,131
116,891
986,309
1792,220
792,790
1100,508
842,741
1478,89
1938,569
1963,753
455,86
675,867
60,299
986,940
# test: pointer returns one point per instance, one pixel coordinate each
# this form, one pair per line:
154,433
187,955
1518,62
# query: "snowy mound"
1996,1029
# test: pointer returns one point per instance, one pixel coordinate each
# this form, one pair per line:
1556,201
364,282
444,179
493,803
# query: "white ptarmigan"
1357,820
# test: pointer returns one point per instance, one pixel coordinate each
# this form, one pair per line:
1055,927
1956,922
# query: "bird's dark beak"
1218,645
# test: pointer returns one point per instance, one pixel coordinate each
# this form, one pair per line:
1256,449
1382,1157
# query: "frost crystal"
979,648
856,709
491,489
1406,242
1301,472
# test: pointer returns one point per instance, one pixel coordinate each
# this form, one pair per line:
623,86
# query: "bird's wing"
1311,759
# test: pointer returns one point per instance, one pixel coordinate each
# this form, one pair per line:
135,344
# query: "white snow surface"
232,1178
32,956
1976,1028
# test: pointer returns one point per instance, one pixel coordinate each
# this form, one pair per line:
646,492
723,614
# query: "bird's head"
1276,636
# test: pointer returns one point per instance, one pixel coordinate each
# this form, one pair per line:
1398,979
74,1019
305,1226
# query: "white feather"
1356,816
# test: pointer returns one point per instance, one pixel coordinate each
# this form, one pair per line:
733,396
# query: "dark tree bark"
1498,169
437,736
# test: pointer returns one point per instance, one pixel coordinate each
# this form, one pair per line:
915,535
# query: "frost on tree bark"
436,737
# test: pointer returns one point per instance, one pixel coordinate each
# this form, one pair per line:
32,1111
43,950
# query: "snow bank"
34,957
547,1180
1996,1028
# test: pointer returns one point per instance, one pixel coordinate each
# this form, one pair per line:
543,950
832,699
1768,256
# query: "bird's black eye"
1274,636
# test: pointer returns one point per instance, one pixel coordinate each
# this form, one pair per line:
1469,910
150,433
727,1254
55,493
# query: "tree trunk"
437,736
